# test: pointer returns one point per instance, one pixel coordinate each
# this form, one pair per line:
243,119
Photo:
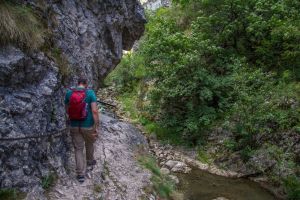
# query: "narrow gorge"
198,100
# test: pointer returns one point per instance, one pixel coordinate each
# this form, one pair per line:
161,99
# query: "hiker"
81,107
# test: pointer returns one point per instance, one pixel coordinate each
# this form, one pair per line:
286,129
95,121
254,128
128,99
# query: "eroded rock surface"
90,35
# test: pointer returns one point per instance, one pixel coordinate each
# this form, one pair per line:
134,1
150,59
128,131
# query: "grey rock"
152,197
221,198
177,166
171,163
164,170
174,179
181,168
155,4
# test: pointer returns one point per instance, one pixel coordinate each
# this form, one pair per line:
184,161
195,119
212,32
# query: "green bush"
263,106
128,73
215,61
292,186
219,64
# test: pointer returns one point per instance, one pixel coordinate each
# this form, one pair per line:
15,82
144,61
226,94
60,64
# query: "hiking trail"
117,175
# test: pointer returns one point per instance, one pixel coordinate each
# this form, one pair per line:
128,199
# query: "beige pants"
82,137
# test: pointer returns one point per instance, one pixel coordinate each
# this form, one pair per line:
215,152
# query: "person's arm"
95,114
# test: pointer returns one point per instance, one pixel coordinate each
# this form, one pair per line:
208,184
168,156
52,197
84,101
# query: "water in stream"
200,185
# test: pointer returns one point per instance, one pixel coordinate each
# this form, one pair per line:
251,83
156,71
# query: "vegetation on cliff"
20,26
208,65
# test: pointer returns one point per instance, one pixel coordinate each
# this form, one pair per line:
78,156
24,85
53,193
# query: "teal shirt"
90,97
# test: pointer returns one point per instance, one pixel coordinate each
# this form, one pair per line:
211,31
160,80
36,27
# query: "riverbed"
201,185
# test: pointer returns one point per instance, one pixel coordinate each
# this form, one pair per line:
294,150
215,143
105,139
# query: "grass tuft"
162,184
11,194
61,61
20,26
49,180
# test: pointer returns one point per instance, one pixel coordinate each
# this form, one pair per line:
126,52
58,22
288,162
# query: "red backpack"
77,106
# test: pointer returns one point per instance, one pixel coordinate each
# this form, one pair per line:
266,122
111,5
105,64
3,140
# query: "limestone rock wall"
155,4
91,35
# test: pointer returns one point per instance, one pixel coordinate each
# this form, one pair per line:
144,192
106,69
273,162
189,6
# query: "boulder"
174,179
164,170
177,166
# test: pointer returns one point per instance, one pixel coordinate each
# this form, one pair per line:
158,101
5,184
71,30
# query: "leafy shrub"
128,73
263,106
234,62
292,186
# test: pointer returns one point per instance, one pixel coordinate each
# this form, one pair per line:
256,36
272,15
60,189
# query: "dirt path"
117,175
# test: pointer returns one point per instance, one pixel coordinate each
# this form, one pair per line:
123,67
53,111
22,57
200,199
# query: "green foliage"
10,194
20,26
292,186
48,181
230,144
97,188
60,59
263,106
161,183
203,156
246,153
214,61
128,73
219,63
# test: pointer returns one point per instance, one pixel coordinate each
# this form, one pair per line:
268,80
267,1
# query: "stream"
201,185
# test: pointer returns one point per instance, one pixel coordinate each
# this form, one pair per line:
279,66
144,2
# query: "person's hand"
95,134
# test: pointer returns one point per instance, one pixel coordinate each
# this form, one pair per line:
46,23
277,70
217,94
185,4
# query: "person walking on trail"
81,107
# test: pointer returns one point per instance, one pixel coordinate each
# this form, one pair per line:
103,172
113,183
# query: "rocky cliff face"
155,4
91,36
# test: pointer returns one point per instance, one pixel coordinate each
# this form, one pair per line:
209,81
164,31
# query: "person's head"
82,81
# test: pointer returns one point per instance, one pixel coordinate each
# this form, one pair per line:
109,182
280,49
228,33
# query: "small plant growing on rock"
162,184
10,194
48,181
97,188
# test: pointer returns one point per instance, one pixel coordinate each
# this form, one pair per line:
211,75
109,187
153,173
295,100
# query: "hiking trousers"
82,137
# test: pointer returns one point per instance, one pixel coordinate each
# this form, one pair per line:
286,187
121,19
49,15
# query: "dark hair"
82,80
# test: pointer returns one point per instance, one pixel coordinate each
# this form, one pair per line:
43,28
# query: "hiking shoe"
91,163
80,178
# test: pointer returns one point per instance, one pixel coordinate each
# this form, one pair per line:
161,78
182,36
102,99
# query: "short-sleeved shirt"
90,97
